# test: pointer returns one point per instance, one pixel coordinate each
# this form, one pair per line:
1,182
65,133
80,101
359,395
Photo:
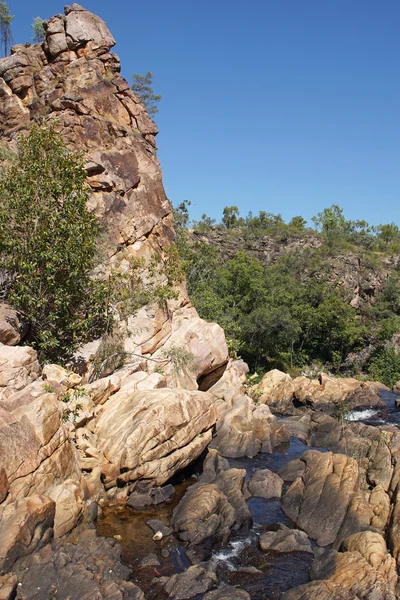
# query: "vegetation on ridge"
294,309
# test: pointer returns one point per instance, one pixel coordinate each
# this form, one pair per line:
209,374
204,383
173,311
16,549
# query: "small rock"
227,592
157,525
158,536
150,561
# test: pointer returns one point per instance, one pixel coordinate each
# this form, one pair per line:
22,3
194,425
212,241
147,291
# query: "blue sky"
287,106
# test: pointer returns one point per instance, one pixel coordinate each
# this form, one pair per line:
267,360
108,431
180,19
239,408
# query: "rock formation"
68,442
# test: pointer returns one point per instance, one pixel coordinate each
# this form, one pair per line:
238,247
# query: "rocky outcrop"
73,81
246,429
25,526
280,391
19,366
80,565
196,580
361,281
150,435
322,494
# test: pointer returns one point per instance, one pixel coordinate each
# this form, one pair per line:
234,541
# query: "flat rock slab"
285,540
157,525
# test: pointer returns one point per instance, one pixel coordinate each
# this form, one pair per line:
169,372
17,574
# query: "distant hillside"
295,296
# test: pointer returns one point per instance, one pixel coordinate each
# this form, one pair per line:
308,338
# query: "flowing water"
264,575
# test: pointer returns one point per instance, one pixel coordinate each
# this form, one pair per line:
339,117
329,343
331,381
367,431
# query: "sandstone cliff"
64,441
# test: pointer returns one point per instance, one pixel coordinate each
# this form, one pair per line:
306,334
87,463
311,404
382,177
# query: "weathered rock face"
80,565
214,506
150,435
24,526
281,392
322,494
74,82
245,429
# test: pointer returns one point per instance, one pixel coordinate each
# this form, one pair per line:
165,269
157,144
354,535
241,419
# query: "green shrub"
384,366
48,245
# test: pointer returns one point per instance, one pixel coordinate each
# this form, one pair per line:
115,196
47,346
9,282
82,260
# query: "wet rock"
152,497
265,484
293,470
318,500
285,540
227,592
204,512
157,525
197,579
232,484
150,561
214,464
80,565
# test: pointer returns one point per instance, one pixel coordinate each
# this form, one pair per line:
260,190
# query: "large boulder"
196,580
204,512
317,501
19,366
152,434
216,505
25,525
203,343
275,389
35,451
265,484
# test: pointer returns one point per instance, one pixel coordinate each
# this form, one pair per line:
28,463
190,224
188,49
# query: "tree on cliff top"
38,30
143,86
6,19
48,242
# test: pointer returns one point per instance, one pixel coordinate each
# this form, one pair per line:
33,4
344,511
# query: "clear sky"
280,105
